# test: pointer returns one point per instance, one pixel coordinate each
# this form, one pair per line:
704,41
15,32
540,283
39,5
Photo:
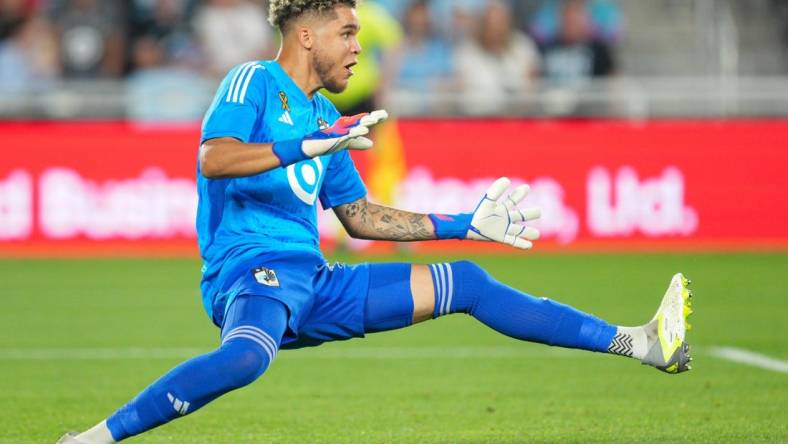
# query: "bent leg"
250,338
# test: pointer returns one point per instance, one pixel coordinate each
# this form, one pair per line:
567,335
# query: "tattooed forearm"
352,210
365,220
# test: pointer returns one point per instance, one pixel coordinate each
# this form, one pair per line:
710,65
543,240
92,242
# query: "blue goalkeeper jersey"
240,218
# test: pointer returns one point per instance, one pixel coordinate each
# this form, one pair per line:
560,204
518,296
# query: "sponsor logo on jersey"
322,124
304,179
265,276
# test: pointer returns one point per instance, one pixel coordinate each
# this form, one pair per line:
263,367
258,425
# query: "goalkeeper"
272,146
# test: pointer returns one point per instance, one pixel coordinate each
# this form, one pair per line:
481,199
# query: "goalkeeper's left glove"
492,220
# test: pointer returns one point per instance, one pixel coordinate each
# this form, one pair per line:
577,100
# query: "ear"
305,37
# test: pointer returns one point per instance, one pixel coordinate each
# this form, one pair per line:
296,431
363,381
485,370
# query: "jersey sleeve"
238,104
342,184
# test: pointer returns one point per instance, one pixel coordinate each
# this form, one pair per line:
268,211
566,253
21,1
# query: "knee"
246,361
471,284
470,272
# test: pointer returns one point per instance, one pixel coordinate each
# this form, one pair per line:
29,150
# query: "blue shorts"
324,302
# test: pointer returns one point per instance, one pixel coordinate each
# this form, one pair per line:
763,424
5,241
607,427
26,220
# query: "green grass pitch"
79,338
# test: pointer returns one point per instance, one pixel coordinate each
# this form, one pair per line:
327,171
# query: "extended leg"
250,340
464,287
401,294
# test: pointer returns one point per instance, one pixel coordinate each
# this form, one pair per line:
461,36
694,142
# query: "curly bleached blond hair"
282,12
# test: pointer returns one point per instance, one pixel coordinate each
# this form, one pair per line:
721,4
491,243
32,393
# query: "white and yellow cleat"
668,350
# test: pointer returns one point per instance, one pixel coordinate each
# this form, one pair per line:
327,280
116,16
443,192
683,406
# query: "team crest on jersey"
265,276
322,124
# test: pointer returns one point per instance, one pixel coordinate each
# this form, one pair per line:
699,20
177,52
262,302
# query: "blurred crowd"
482,49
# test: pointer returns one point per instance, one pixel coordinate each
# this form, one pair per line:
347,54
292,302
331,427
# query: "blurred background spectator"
92,36
495,62
546,22
28,55
520,57
166,63
12,14
160,89
574,53
166,22
452,18
424,60
232,32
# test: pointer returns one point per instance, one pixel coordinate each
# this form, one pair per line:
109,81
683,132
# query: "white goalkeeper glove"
494,219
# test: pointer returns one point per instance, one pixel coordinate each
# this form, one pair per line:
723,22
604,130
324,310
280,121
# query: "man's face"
575,26
336,49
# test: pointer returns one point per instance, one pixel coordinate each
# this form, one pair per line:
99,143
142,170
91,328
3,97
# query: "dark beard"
323,69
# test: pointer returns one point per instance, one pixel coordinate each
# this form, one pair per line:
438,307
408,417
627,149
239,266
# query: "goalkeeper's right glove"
494,219
346,133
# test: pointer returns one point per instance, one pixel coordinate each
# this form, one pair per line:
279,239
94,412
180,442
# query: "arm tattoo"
365,220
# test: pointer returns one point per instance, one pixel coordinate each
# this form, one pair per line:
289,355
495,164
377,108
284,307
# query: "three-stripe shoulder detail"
239,84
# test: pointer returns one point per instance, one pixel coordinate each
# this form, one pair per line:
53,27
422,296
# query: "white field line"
82,354
747,357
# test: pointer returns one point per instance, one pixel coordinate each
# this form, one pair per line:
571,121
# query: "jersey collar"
281,76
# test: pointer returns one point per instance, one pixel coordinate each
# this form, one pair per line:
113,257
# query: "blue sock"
464,287
251,336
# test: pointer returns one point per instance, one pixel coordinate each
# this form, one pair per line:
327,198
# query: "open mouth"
349,69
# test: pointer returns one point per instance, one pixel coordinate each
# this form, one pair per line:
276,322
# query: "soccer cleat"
669,352
70,438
